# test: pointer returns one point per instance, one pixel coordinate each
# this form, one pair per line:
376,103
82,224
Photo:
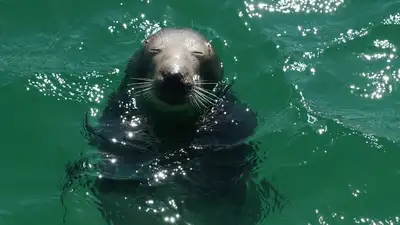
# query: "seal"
171,78
172,137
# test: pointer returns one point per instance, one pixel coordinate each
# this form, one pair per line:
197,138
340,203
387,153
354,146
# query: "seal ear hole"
210,49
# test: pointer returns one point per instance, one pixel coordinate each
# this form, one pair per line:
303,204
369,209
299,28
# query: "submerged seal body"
172,136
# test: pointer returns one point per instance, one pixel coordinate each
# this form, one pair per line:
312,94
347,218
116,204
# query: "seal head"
178,67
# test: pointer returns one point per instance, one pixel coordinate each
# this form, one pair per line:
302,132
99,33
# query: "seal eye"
155,50
196,53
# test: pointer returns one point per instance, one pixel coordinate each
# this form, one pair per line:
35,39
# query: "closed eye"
196,53
155,50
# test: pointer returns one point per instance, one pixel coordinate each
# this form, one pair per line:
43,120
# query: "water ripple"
289,6
373,74
74,88
365,220
392,19
380,63
381,81
90,87
136,25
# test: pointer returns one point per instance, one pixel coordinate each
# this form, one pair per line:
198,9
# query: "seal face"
177,67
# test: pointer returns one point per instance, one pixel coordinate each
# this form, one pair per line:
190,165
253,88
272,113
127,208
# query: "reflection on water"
140,23
379,81
358,64
73,88
254,8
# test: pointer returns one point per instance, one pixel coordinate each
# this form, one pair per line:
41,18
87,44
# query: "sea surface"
323,75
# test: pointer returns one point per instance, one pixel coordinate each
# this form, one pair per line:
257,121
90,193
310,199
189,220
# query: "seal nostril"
174,85
172,78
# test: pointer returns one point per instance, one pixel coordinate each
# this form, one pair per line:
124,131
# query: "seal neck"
171,122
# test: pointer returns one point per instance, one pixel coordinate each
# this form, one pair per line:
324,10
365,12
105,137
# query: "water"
323,75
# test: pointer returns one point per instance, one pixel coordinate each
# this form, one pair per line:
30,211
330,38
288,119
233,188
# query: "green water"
323,74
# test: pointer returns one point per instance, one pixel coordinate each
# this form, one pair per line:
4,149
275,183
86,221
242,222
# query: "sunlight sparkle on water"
322,130
305,31
366,220
60,86
136,24
322,218
381,82
392,19
349,35
255,8
94,111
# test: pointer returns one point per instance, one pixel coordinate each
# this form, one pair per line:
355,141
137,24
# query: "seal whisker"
201,102
200,97
140,83
142,86
207,92
205,100
204,82
143,90
201,83
141,79
143,93
197,99
137,90
210,99
196,102
191,101
208,95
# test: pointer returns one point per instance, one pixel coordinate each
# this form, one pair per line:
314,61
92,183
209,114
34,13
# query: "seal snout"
175,79
173,87
172,78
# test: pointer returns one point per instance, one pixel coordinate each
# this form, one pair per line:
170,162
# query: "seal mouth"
172,89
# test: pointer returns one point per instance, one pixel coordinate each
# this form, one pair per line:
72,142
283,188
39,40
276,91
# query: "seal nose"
173,87
173,78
